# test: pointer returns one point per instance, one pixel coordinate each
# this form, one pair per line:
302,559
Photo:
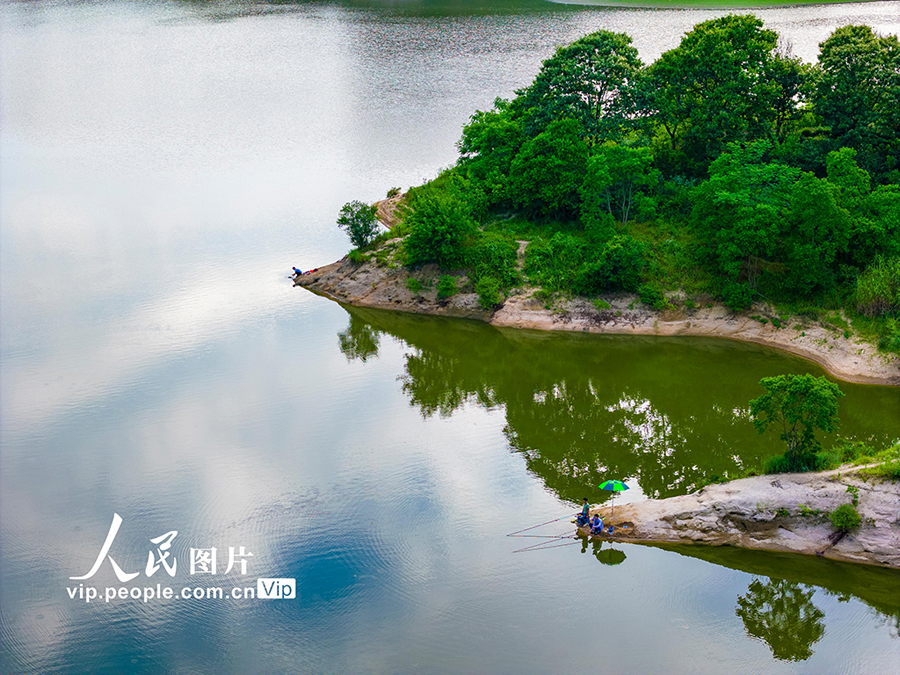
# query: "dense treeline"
726,168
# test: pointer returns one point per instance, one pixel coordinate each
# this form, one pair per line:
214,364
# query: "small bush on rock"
845,518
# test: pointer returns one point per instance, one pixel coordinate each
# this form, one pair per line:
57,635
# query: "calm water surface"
162,167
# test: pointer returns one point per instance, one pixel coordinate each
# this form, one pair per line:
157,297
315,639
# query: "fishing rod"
542,546
534,527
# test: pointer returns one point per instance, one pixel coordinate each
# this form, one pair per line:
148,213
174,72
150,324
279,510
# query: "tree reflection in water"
781,614
584,408
359,341
669,412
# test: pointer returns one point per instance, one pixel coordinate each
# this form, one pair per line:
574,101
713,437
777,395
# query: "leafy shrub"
647,207
393,192
359,222
601,304
357,257
439,225
599,226
488,289
618,267
653,296
554,263
446,287
414,285
848,451
889,470
796,463
890,336
845,518
737,297
494,255
878,288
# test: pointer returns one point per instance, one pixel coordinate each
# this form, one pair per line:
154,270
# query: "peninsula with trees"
726,189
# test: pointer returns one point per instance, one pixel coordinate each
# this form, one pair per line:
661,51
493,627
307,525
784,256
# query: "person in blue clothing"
297,272
585,516
597,524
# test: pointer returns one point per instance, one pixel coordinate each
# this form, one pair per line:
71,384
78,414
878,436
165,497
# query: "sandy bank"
784,512
846,358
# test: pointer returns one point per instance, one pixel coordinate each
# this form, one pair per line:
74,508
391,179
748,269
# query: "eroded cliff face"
784,512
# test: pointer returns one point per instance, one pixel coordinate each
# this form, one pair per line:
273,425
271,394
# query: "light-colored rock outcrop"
784,512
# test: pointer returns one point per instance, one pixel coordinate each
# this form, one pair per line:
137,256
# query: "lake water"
162,167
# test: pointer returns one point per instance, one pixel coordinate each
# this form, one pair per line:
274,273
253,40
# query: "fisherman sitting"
585,516
297,272
597,524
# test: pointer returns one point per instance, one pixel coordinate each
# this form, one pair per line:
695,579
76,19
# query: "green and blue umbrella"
613,486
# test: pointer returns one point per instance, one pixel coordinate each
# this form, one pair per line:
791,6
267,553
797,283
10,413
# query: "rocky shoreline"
784,513
381,281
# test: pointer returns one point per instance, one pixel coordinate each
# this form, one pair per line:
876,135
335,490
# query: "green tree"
721,84
876,226
797,406
589,81
547,172
489,143
853,183
741,211
792,81
819,233
616,174
359,221
874,215
439,227
858,92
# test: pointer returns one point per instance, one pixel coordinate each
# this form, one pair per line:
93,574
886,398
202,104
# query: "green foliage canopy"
858,93
716,87
547,172
359,222
741,209
589,81
615,176
439,225
798,406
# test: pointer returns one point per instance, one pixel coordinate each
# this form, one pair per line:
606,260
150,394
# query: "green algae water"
162,167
